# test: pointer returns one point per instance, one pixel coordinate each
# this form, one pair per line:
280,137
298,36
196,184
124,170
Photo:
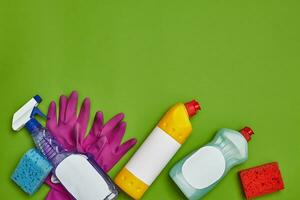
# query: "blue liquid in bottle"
78,173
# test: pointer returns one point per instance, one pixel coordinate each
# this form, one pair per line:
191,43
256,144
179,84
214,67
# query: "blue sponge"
31,171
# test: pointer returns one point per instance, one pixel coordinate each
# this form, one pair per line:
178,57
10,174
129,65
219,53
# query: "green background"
240,59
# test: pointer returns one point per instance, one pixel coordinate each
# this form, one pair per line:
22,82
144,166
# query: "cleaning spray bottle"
156,151
200,171
78,173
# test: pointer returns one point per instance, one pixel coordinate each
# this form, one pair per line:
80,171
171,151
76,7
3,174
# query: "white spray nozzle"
24,114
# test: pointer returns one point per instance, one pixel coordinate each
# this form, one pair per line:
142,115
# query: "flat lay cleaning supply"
31,171
156,151
261,180
78,173
200,171
103,141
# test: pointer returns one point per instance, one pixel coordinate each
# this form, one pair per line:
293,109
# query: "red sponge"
261,180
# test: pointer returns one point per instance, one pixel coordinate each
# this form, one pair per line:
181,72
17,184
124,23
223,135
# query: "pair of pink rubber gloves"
103,141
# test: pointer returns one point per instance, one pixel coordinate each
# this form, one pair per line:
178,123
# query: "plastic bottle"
201,170
156,151
78,173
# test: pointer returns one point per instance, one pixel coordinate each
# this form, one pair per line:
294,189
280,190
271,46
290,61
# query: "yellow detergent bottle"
157,150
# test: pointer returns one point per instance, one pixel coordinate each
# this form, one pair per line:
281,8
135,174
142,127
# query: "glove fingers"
72,106
96,148
126,146
109,157
118,134
52,119
88,141
95,130
97,124
62,108
78,138
101,144
83,118
111,124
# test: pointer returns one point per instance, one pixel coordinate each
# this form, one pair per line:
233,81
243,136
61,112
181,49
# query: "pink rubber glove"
62,129
107,139
103,141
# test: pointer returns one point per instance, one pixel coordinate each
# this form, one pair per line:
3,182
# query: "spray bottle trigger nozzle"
37,111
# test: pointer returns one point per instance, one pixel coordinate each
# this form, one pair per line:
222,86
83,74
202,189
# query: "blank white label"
204,167
81,179
153,156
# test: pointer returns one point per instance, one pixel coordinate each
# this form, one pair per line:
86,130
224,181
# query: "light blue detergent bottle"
201,170
78,173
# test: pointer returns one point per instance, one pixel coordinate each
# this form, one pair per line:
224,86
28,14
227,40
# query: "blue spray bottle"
78,173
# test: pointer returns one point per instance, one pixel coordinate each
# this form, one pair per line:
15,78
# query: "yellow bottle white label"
156,151
153,156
